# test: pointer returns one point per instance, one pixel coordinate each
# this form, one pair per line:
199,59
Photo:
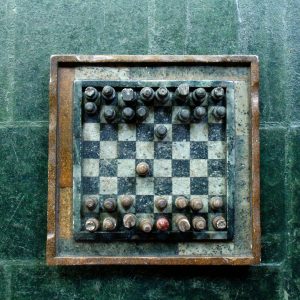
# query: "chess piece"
91,224
129,220
91,203
219,223
90,108
110,204
147,94
161,203
198,96
217,93
142,169
196,204
128,114
109,224
183,223
126,201
110,114
142,113
199,112
182,93
162,95
181,202
108,93
219,112
162,224
128,97
216,203
199,223
146,224
91,94
184,115
161,131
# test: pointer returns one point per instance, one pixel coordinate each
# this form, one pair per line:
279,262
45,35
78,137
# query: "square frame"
60,167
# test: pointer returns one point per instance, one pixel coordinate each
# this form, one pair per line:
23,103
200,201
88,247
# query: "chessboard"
153,160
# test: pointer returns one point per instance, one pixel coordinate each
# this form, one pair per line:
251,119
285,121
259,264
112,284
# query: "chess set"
153,160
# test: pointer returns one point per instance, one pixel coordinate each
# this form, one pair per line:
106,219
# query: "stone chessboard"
193,160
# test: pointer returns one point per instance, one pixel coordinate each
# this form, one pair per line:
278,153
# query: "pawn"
128,114
199,112
216,203
110,204
129,220
219,112
147,94
183,223
198,96
161,203
90,108
161,131
196,204
182,92
142,113
184,115
162,95
126,201
217,93
110,114
181,202
109,224
146,225
162,224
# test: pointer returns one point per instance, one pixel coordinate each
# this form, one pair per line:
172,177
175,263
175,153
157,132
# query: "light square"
217,186
144,150
144,186
126,132
181,185
91,131
90,167
108,150
199,132
216,150
168,209
181,150
126,167
162,168
198,167
108,185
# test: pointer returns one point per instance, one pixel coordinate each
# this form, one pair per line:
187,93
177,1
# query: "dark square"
90,185
163,115
126,185
162,185
149,162
216,167
216,132
199,186
126,149
144,204
108,168
108,132
90,149
180,168
163,150
198,150
91,118
144,132
181,132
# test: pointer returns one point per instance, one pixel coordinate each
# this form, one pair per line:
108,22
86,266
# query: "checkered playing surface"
190,161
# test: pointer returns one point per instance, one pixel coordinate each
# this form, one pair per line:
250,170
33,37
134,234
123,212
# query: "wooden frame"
60,157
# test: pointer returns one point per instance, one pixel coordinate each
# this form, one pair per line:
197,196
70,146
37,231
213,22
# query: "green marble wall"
30,31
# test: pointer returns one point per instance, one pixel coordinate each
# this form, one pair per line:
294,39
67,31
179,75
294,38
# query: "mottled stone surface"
30,31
